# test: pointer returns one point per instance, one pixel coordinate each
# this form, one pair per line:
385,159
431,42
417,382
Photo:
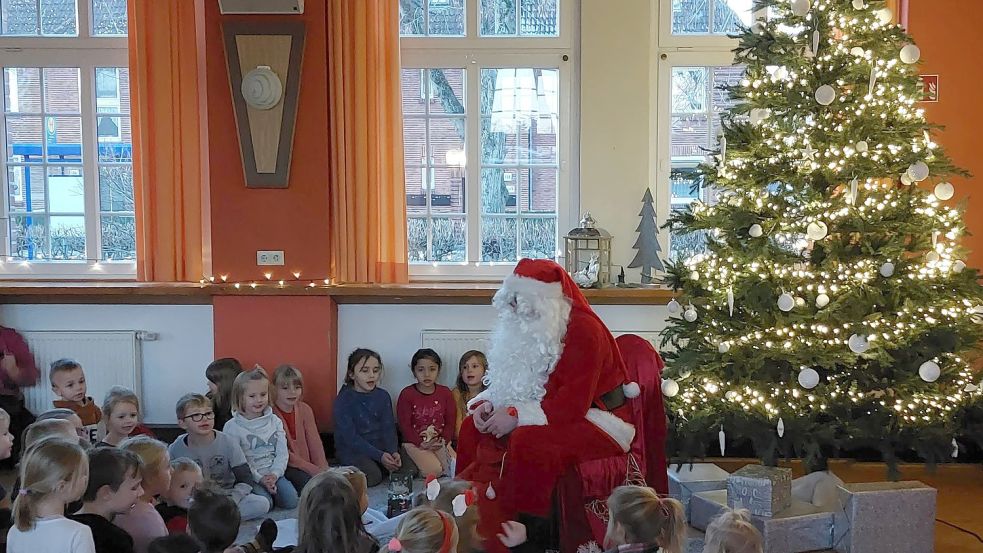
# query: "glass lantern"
586,242
400,493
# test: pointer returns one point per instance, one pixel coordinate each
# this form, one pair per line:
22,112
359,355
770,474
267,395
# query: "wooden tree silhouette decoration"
647,243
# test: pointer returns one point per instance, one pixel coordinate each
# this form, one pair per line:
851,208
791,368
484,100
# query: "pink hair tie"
394,545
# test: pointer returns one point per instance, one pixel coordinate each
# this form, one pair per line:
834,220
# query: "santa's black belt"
613,399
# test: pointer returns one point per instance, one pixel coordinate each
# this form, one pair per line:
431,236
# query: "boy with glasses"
220,457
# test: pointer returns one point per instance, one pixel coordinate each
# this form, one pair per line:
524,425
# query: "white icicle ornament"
722,437
781,427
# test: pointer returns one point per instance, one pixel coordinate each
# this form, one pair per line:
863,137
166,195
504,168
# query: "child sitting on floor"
143,522
121,415
306,451
732,532
427,417
424,530
114,488
68,382
174,503
329,518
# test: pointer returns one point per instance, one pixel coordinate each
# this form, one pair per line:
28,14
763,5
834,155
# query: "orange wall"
294,219
948,33
273,330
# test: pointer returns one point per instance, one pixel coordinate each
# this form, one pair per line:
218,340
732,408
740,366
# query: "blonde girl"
732,532
261,435
640,518
330,517
424,530
220,374
120,414
143,522
305,450
54,473
470,373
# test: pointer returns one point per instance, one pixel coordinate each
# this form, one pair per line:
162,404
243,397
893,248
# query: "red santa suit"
555,363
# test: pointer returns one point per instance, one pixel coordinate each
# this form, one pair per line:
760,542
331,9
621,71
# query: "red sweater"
13,344
303,441
415,412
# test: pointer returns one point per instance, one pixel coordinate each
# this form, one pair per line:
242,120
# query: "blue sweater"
364,424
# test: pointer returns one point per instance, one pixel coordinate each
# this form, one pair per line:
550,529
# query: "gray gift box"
886,517
799,528
762,490
687,479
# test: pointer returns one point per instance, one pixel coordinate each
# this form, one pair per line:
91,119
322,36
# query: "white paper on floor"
286,532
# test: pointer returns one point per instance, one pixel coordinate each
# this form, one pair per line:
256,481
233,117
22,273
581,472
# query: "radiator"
109,358
450,345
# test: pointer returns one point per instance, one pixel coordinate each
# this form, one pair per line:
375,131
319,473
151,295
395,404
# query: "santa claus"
556,396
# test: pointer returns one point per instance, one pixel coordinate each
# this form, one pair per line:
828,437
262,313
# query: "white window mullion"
472,147
90,162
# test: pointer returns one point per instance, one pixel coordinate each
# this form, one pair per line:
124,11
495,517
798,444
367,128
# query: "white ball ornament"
808,378
825,95
695,275
685,373
944,191
857,51
817,230
674,307
918,171
929,371
885,16
911,54
859,4
800,7
786,302
959,266
822,300
689,314
723,347
887,269
933,257
755,231
800,301
906,179
670,387
858,343
862,146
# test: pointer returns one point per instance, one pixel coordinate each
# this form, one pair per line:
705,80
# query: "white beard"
526,344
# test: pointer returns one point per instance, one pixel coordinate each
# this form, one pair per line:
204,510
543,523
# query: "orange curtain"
365,159
167,154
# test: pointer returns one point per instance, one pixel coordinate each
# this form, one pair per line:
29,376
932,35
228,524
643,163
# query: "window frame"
474,53
85,52
678,51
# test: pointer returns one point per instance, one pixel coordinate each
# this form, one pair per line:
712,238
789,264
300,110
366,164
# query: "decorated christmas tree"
832,309
647,244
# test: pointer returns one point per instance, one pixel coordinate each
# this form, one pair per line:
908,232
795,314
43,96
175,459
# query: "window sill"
463,293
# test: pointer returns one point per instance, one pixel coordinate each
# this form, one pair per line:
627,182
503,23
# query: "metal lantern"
586,243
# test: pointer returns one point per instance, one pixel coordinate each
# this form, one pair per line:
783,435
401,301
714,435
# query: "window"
486,123
695,64
68,177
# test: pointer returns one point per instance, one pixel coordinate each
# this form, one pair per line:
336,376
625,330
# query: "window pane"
497,17
498,189
498,240
446,17
22,90
63,136
19,17
24,136
538,18
118,237
416,195
537,142
413,85
114,139
446,140
729,16
66,190
689,136
447,194
109,17
689,89
61,90
116,188
539,238
29,236
449,240
537,190
446,91
67,238
415,141
690,17
498,143
416,239
25,188
59,18
411,20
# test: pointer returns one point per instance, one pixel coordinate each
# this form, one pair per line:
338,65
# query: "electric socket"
269,257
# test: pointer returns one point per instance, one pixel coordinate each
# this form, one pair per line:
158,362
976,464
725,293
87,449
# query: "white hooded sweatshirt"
263,440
